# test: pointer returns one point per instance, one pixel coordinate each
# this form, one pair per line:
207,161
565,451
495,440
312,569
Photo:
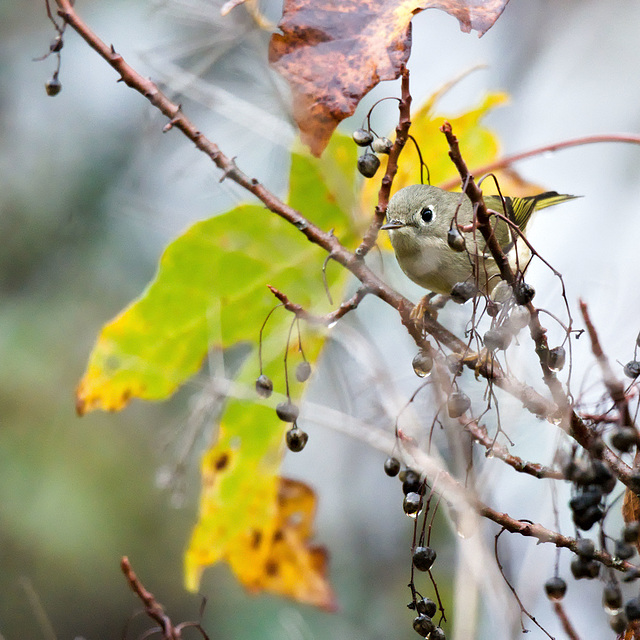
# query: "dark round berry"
624,550
362,137
590,497
264,386
457,404
555,588
437,634
412,503
493,308
604,478
619,622
53,86
624,439
455,240
632,609
634,481
632,369
496,339
427,607
463,291
296,439
303,371
56,44
612,597
583,568
391,466
630,531
382,145
423,558
556,358
287,411
412,483
586,519
422,364
585,548
423,625
368,164
524,292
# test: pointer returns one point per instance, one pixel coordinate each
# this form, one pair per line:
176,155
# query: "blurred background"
90,193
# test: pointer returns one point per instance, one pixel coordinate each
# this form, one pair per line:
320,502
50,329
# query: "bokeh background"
90,192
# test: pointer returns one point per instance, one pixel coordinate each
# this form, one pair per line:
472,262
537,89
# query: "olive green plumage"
419,218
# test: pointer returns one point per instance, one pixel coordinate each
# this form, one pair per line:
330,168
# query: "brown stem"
151,606
402,134
506,161
558,607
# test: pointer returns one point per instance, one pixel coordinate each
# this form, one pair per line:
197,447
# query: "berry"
603,477
303,371
590,497
519,318
455,240
423,625
619,622
296,439
264,386
495,339
412,483
583,568
382,145
632,609
412,503
585,548
624,439
427,607
455,363
556,358
524,292
630,531
501,292
391,467
463,291
612,597
423,558
457,404
422,364
437,634
624,550
555,588
632,369
362,137
368,164
287,411
53,86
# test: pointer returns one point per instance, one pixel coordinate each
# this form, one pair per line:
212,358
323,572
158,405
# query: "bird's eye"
426,213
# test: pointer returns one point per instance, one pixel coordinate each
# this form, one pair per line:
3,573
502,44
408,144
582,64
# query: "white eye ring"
427,214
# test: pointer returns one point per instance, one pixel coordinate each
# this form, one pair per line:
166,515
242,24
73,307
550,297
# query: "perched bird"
429,249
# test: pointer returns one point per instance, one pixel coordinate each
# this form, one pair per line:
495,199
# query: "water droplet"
301,225
422,364
610,610
490,453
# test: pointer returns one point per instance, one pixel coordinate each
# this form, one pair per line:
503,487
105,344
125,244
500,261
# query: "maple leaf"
333,53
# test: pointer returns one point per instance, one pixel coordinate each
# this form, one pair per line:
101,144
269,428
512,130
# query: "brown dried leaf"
333,53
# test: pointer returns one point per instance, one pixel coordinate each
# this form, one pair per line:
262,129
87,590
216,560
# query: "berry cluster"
287,410
368,162
423,556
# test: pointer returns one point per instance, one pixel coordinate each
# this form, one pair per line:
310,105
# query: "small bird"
431,252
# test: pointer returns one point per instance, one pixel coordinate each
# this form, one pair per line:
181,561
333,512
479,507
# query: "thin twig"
558,607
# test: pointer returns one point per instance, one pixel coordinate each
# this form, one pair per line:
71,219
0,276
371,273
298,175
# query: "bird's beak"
393,224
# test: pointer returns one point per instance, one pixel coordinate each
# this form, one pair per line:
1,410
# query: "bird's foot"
428,305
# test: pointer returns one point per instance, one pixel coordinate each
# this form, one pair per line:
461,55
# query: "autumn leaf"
271,552
210,290
332,54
